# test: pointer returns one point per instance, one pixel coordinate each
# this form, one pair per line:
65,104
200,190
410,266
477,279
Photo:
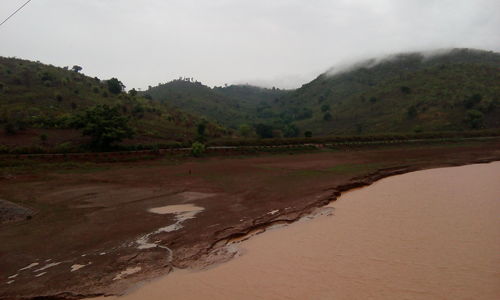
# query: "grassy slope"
439,86
43,97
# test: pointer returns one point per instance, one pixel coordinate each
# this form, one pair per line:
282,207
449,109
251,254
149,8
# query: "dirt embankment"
404,237
95,233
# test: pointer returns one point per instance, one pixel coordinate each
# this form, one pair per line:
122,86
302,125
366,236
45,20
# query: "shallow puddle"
47,266
77,267
29,266
182,213
176,209
431,234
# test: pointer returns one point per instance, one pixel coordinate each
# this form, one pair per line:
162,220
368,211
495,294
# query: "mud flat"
101,229
432,234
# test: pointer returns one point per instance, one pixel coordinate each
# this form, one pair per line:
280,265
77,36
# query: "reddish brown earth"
96,215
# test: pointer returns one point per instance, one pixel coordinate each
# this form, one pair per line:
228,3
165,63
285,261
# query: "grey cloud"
282,42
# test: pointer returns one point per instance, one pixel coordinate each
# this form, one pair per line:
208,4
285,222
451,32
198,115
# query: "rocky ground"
84,231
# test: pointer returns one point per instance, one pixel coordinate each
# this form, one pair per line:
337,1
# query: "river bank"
429,234
101,228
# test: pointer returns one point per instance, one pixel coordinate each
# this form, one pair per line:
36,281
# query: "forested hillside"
38,103
457,90
412,92
231,106
407,93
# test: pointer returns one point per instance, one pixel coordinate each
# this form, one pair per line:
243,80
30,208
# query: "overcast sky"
270,42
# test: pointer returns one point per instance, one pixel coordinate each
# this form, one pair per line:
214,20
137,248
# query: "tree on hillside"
197,149
290,130
474,119
327,117
200,130
76,68
405,90
132,92
245,130
14,125
264,131
412,112
104,124
115,86
471,101
306,113
325,107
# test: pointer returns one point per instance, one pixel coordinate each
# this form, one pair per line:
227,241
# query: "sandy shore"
430,234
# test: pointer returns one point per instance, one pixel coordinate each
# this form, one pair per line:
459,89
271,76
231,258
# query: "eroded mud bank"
425,235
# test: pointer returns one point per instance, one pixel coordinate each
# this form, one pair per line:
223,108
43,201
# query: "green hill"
413,92
451,90
37,102
250,96
410,92
231,106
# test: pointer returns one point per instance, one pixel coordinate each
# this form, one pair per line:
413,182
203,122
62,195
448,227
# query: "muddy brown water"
431,234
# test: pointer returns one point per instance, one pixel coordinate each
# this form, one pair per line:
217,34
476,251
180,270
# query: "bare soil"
85,237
